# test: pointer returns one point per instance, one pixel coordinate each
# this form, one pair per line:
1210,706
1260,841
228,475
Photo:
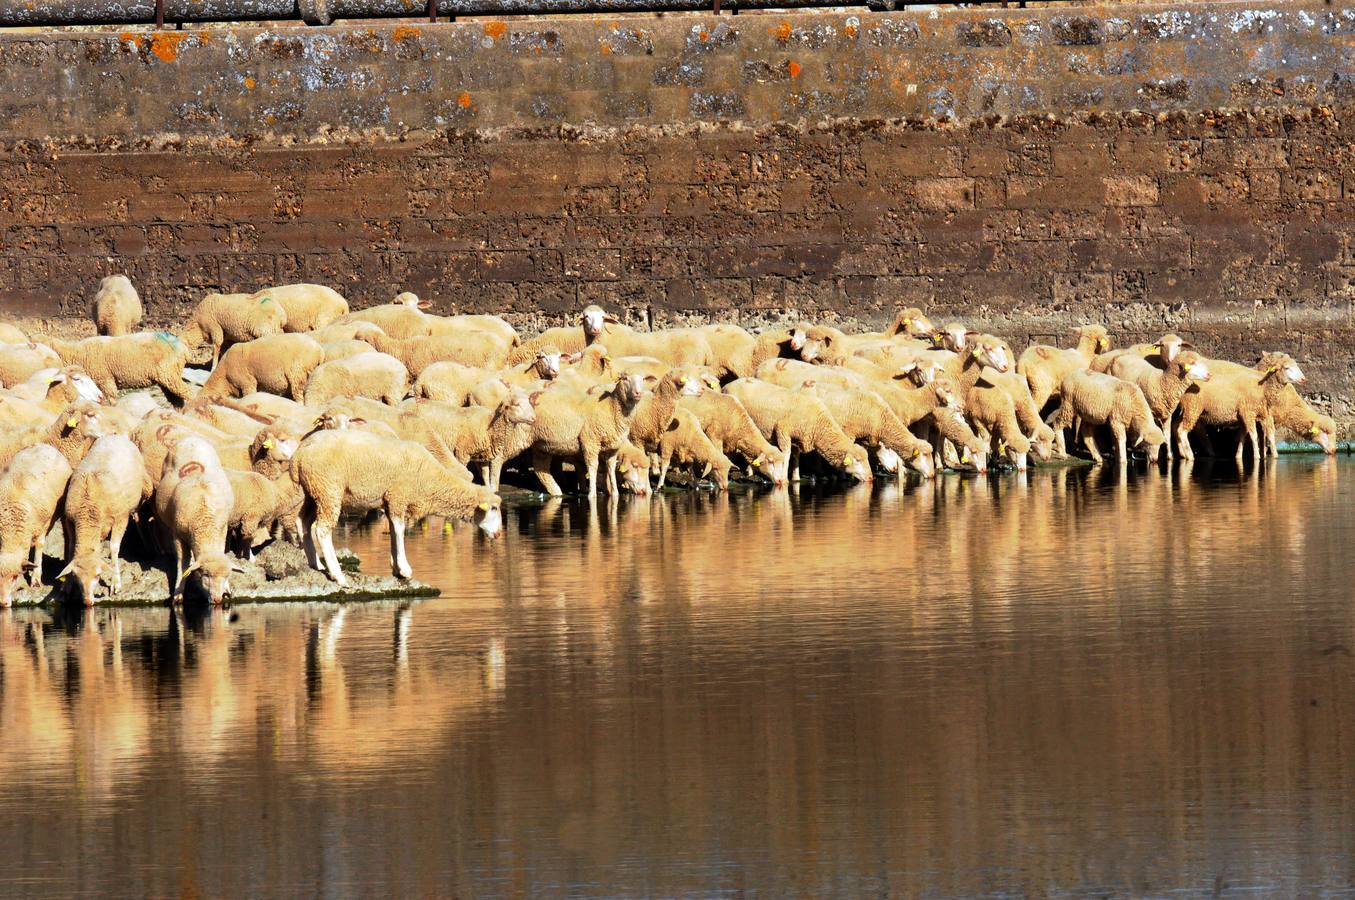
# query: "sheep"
992,413
449,382
587,369
344,349
224,319
396,320
1163,388
482,350
868,420
199,513
278,364
726,422
457,435
375,375
31,489
104,490
1098,399
587,426
569,339
260,503
678,347
308,306
1291,411
72,432
141,360
1044,367
53,389
798,423
494,326
1236,396
910,323
1033,428
1159,354
341,330
686,443
116,308
632,464
18,362
351,470
273,406
655,411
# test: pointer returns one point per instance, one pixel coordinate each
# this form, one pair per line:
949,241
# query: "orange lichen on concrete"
165,45
249,83
781,32
793,68
464,100
496,30
849,30
132,38
405,32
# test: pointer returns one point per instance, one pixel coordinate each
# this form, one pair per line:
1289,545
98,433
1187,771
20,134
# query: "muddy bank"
278,573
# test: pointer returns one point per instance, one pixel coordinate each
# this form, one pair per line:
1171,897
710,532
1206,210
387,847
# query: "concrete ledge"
314,83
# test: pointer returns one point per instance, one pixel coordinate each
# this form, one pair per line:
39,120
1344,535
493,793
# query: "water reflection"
1129,682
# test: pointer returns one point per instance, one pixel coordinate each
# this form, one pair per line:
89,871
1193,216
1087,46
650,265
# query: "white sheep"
378,376
104,490
308,306
355,471
116,308
31,490
224,319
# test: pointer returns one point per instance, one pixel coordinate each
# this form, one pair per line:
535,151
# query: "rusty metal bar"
159,15
432,10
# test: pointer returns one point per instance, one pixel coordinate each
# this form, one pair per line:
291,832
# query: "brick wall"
1233,227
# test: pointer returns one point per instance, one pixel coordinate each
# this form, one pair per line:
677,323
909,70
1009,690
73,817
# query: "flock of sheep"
310,411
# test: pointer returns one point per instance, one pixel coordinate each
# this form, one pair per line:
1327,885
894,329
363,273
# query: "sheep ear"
534,396
357,421
650,380
711,381
608,317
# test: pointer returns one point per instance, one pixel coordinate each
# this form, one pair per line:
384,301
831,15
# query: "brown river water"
1068,683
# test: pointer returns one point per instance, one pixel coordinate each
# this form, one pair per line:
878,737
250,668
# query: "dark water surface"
1068,683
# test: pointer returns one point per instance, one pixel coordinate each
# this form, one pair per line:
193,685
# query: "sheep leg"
114,548
493,473
180,557
1167,444
590,464
324,534
1121,449
305,525
1268,433
541,466
1088,432
609,460
399,563
35,573
484,473
665,460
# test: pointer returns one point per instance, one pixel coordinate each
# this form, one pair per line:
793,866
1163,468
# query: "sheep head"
856,463
955,337
770,465
547,363
1323,431
1190,367
634,476
921,462
914,324
410,299
990,351
214,576
888,459
1169,345
12,567
489,513
519,407
82,418
83,573
1282,367
1092,338
594,320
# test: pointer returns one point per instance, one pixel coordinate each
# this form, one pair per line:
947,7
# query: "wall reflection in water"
1071,680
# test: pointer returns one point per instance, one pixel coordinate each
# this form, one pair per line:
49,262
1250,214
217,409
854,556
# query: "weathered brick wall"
671,175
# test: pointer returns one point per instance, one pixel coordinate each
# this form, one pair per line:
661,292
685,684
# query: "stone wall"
1187,168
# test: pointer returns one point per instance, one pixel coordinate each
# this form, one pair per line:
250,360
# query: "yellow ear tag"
623,468
975,353
1157,348
1001,446
72,422
964,458
907,323
756,463
268,444
1316,431
484,507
